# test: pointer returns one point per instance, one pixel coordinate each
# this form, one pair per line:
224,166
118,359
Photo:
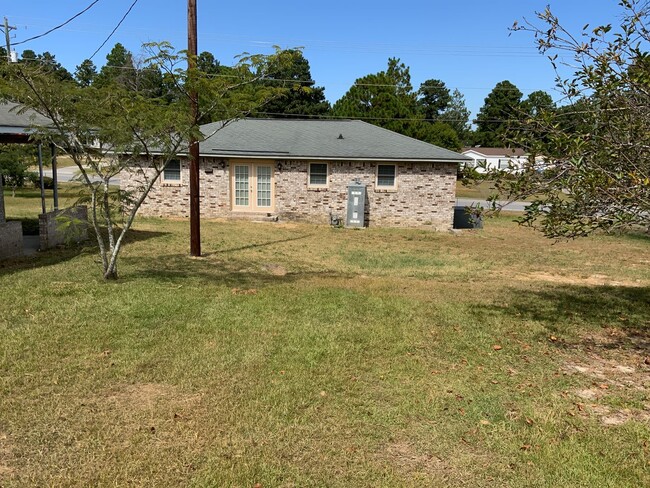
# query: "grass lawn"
481,191
62,161
26,205
297,355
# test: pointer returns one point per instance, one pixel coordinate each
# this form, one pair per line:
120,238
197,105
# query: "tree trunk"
110,271
110,275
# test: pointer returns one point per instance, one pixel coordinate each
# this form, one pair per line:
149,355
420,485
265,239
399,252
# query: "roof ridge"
407,137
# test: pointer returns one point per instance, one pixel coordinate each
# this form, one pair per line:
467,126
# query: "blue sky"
466,44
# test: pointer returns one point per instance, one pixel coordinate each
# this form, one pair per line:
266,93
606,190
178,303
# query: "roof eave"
332,158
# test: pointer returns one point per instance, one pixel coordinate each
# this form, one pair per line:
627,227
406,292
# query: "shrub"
48,182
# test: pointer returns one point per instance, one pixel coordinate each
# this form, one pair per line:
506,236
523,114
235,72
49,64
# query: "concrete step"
255,216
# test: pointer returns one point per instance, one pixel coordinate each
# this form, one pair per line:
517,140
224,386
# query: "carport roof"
317,139
15,126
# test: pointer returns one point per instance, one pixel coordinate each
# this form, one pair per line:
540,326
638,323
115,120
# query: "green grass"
482,190
300,355
62,161
26,204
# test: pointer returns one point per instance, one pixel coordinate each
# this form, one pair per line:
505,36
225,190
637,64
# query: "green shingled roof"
317,139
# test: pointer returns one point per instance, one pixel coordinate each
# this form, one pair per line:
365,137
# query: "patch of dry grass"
300,355
482,190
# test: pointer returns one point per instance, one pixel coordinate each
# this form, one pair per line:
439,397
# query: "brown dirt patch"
275,269
618,369
6,471
404,457
140,398
591,280
161,410
141,395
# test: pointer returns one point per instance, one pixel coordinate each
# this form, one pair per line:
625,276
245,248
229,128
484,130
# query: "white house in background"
504,158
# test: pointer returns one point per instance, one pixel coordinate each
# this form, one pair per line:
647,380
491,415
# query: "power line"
58,26
116,27
310,81
453,50
313,82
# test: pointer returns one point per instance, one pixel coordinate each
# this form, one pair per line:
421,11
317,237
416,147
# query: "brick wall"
172,199
2,203
425,194
424,197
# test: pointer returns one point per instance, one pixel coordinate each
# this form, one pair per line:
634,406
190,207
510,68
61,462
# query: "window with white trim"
318,175
386,176
504,163
172,171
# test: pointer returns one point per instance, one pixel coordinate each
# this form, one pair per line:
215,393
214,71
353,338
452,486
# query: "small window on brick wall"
318,173
386,176
172,172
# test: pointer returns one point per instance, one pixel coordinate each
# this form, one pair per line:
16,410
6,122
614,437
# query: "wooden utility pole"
195,203
8,28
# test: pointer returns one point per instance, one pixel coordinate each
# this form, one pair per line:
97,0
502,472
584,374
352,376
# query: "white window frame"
327,176
180,173
386,187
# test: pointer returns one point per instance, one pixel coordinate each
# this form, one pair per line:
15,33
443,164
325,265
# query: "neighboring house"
15,123
503,158
14,129
301,169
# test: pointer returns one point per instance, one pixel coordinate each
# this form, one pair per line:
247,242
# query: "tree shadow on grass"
220,266
563,309
64,253
227,271
42,259
258,245
134,235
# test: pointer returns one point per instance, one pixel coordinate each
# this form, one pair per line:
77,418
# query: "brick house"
300,170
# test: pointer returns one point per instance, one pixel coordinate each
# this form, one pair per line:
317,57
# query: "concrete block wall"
2,203
11,239
54,230
424,197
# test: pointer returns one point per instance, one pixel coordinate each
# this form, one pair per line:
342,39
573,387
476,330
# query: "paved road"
70,172
513,206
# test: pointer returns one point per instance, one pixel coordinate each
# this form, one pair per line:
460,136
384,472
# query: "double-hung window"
318,174
172,172
386,177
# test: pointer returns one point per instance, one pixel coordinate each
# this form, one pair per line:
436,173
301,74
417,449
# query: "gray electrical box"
356,205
